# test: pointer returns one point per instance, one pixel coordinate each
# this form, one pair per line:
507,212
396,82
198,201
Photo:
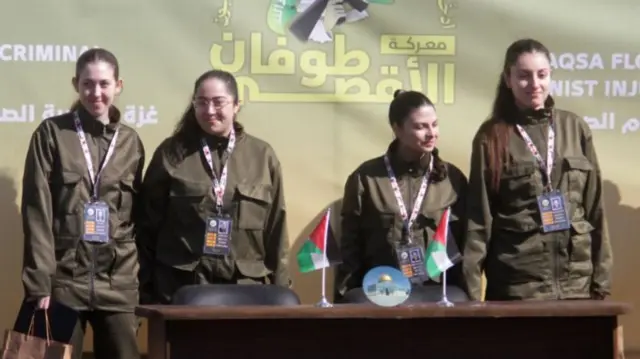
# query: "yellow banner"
316,85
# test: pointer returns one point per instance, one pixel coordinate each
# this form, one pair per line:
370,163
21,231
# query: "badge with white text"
386,286
217,236
96,222
411,263
553,212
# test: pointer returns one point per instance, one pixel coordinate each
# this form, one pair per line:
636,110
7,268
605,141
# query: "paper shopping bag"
27,346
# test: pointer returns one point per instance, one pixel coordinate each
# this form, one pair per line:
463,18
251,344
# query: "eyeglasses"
205,103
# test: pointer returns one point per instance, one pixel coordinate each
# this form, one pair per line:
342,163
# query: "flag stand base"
324,303
445,303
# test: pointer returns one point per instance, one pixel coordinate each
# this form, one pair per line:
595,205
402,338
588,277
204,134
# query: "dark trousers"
114,335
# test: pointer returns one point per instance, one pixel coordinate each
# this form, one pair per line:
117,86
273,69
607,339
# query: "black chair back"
235,295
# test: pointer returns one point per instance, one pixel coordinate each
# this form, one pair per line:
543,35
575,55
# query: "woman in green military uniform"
81,182
213,208
392,203
536,218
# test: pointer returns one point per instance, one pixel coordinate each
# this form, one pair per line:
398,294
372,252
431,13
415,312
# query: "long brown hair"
497,129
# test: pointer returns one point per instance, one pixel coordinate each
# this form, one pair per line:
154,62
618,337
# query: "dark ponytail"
397,92
75,106
439,172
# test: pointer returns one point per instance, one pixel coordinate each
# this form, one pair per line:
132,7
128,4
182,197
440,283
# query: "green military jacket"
505,239
178,198
372,226
56,186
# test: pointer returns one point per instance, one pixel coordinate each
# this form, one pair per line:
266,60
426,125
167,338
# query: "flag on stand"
320,250
441,254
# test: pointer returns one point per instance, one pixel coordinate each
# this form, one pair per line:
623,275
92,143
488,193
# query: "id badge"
217,236
411,263
553,212
96,222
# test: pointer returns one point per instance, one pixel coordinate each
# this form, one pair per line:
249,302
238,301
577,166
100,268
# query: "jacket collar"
221,143
401,166
91,124
530,116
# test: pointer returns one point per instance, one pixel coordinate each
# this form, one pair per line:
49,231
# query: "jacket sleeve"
151,212
137,181
39,260
601,251
277,239
458,227
137,207
351,245
479,220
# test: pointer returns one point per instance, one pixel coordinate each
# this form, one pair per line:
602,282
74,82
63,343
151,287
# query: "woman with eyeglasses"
213,202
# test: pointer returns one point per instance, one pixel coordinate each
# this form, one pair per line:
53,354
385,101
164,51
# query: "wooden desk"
522,330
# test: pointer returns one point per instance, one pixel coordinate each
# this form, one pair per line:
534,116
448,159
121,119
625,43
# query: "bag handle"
31,330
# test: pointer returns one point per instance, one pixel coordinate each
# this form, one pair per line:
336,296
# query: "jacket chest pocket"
68,193
378,235
254,202
186,201
518,180
68,199
577,170
126,198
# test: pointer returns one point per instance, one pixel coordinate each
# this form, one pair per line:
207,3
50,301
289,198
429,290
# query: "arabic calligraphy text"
133,115
420,45
607,121
341,71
